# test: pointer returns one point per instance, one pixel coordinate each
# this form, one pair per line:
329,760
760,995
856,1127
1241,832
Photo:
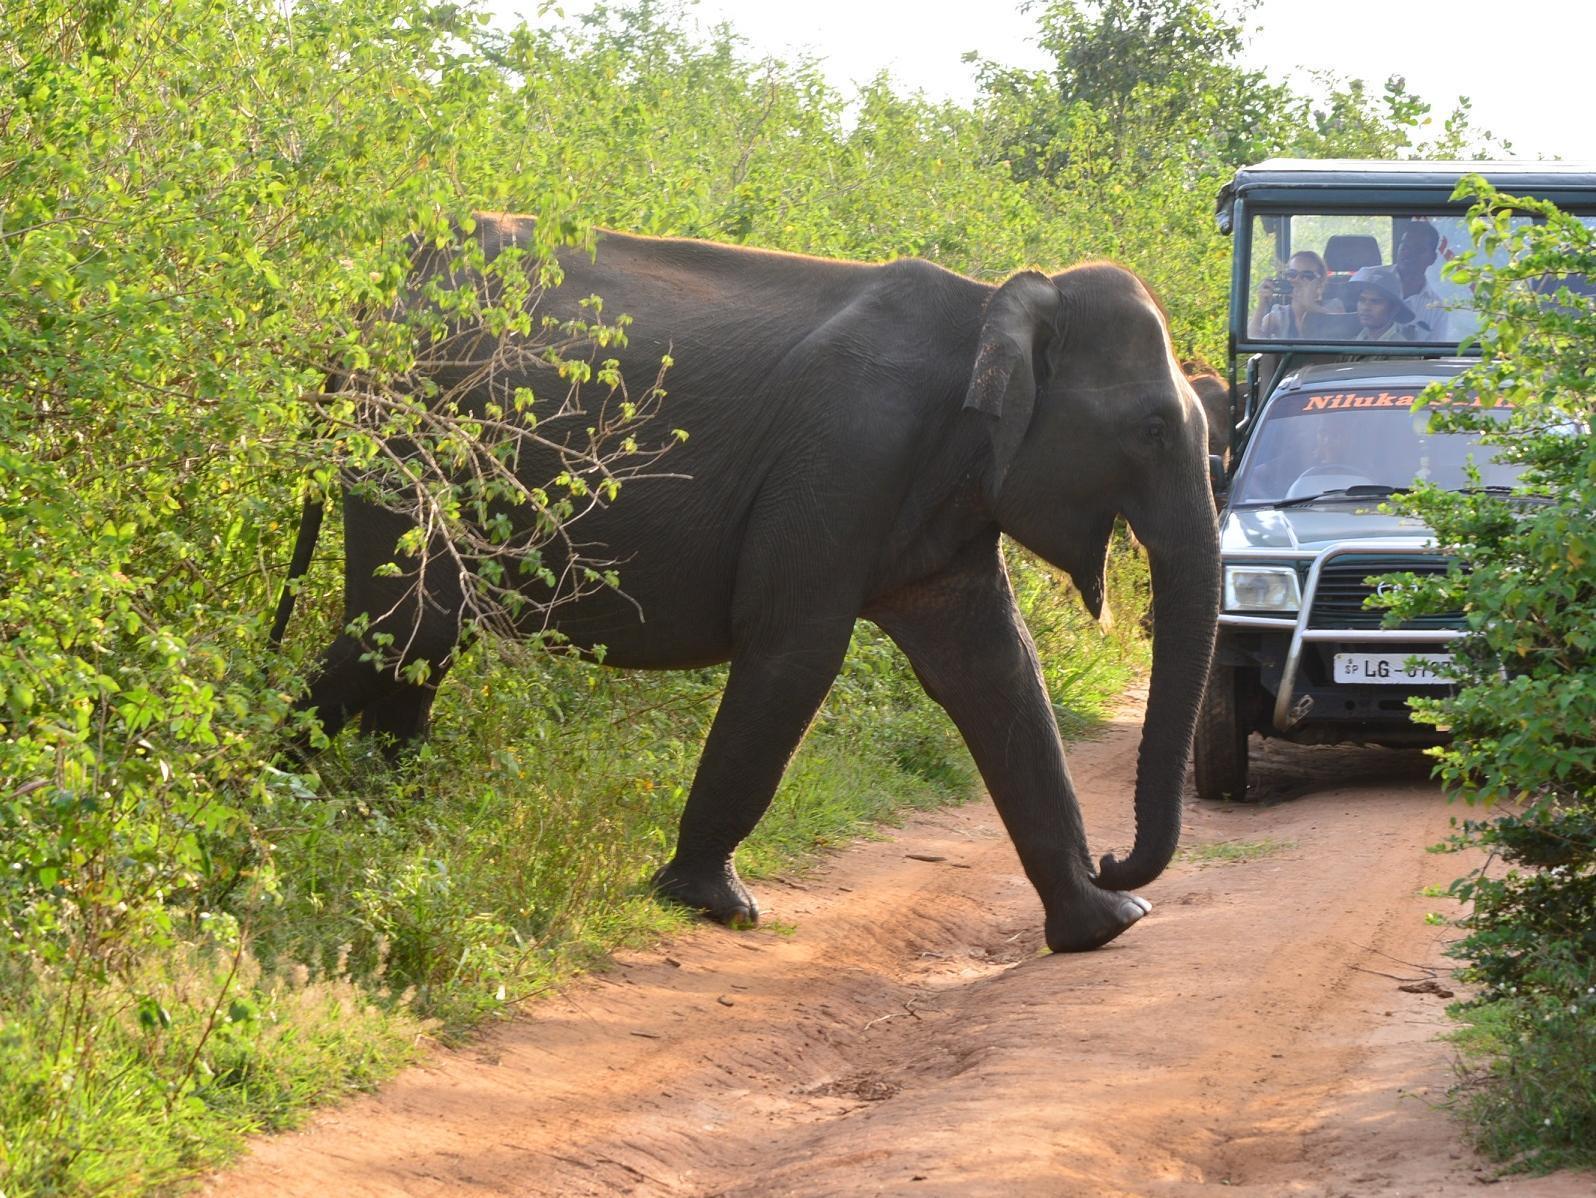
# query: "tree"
1167,65
1523,719
1166,75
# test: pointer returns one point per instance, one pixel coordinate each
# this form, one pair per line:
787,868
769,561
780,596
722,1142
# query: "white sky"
1529,66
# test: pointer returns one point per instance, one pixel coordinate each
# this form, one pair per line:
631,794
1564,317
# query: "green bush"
200,201
1523,719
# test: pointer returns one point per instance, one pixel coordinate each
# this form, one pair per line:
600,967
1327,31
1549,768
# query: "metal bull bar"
1284,716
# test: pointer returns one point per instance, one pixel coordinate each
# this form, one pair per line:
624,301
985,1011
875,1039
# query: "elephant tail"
304,546
310,518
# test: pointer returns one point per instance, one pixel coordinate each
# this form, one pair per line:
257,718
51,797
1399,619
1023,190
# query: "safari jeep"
1339,320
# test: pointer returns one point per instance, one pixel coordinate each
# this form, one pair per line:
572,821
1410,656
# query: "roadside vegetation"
1524,716
196,197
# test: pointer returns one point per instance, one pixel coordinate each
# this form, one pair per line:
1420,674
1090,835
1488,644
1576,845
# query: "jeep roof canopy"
1364,183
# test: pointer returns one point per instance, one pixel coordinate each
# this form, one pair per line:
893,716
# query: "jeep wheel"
1219,757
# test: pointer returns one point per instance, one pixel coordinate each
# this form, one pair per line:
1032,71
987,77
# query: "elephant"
860,434
1214,395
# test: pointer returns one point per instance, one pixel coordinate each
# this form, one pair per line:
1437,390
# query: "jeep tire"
1219,756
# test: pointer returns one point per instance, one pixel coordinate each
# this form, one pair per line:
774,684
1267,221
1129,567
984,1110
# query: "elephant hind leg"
399,715
340,688
344,687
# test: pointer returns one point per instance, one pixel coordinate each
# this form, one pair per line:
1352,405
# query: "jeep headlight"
1262,588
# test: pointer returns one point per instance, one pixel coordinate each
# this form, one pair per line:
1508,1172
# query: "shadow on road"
1282,772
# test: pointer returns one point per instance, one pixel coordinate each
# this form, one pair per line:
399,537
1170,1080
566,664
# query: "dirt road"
898,1030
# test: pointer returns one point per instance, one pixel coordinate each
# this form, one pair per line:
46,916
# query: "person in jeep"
1287,304
1416,252
1382,313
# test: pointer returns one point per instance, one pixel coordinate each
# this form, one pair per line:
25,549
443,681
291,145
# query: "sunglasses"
1293,275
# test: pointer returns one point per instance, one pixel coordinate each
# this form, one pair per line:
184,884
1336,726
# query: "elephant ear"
1021,318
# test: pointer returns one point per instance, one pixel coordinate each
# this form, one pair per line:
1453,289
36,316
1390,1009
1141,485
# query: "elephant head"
1090,418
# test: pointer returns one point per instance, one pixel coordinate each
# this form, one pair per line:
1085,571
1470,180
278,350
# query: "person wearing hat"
1382,313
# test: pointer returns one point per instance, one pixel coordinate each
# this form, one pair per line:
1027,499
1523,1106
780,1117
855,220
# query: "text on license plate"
1406,669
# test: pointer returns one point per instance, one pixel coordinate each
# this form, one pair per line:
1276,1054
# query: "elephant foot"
715,890
1092,918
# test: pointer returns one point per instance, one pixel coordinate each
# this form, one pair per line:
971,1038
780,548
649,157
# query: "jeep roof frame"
1282,186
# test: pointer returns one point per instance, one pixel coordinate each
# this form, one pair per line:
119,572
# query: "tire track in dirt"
912,1038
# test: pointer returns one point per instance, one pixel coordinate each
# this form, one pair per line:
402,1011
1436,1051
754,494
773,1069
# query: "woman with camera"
1287,301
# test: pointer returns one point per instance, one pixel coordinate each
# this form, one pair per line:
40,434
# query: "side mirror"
1217,480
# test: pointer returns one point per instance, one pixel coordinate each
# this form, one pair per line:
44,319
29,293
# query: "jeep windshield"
1372,280
1357,444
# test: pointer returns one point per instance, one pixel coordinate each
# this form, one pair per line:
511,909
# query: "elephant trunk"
1185,576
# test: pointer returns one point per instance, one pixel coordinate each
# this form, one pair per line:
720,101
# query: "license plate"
1392,669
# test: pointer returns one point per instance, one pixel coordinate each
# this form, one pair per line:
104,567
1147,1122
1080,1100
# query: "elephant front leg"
969,646
771,696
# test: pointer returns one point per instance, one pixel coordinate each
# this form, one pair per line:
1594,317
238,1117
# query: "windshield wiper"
1378,491
1356,491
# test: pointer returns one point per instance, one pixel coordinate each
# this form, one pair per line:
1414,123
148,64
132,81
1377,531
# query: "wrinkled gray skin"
859,437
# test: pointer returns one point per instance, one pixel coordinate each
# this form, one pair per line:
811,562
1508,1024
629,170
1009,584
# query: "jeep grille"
1338,602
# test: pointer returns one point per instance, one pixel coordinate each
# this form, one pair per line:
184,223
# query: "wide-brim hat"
1385,280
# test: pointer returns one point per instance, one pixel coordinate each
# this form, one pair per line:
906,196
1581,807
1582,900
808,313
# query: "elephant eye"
1154,428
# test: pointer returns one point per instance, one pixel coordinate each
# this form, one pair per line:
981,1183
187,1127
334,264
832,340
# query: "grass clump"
1233,852
139,1081
1527,1084
1085,666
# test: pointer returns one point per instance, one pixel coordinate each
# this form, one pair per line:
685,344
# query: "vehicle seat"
1345,253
